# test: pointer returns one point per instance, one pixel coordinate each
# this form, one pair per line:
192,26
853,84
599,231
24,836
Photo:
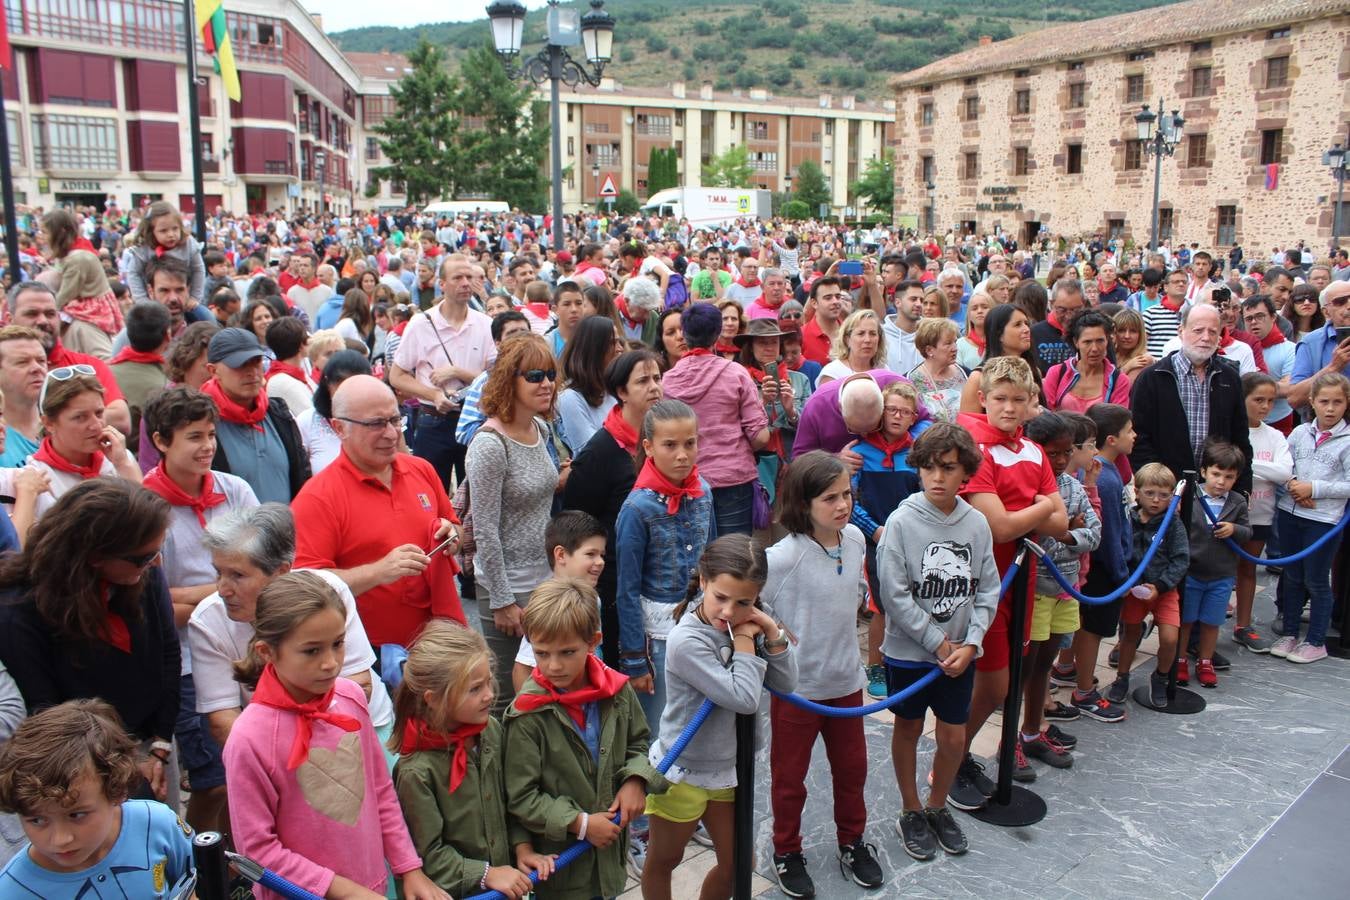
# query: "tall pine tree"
420,139
809,186
503,142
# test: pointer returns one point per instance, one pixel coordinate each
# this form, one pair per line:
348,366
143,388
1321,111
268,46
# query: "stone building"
1038,132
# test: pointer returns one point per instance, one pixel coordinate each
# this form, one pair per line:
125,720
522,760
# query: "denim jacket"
657,554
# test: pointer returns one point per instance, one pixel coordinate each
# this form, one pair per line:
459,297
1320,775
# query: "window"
1076,66
1078,95
75,142
571,146
1202,46
372,148
1201,83
1134,154
1165,224
1021,73
925,113
659,126
1134,88
829,127
764,162
972,167
972,108
1115,229
15,139
1277,72
1277,34
1227,230
679,118
1020,158
1272,146
606,155
1073,163
755,130
1140,55
1197,147
927,170
972,81
1022,102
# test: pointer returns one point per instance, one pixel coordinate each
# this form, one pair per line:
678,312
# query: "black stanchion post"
1339,646
1013,806
743,858
213,874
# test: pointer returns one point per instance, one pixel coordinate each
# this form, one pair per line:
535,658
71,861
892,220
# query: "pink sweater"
305,825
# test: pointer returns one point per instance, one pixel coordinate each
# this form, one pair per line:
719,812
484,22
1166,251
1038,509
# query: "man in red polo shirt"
373,515
827,293
33,304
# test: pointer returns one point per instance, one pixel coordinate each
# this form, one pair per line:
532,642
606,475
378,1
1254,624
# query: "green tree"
796,210
626,204
809,186
729,169
661,170
876,187
421,139
503,155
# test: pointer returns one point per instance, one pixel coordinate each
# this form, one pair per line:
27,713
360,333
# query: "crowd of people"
405,545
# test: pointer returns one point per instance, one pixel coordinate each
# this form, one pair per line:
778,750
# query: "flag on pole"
6,57
216,40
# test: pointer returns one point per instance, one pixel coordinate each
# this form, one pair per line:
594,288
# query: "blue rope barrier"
271,880
1133,577
1283,560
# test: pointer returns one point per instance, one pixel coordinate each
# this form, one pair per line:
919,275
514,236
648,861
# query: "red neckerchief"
1276,336
1051,320
624,435
976,337
115,630
398,329
1226,339
1103,289
698,351
271,692
604,683
888,448
307,285
720,348
540,310
651,477
747,284
1167,302
584,266
148,357
158,481
284,368
235,412
47,453
160,250
621,302
417,735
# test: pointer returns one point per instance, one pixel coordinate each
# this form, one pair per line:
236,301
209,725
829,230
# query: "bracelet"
161,756
585,822
482,882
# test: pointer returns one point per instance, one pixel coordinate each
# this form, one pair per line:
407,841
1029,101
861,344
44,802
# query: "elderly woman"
860,346
639,305
1089,377
938,379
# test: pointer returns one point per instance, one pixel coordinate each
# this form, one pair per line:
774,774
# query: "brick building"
1038,131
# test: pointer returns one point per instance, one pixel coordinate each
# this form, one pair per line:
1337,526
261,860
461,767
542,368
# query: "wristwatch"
778,644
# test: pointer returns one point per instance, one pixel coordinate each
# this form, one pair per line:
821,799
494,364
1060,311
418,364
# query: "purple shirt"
730,414
822,422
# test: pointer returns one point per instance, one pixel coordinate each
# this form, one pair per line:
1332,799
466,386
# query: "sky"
340,15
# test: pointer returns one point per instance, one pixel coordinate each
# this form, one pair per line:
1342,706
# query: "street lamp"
595,174
932,207
594,33
319,159
1160,142
1336,158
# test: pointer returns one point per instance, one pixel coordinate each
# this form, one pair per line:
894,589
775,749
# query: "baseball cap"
564,256
234,347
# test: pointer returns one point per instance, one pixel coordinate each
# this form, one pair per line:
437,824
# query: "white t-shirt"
62,482
837,369
298,395
319,438
347,330
1237,351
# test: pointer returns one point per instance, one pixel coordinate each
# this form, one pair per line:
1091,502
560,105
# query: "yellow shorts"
1053,615
686,803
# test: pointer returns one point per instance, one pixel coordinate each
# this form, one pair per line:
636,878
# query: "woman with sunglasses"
78,444
84,612
1304,311
512,482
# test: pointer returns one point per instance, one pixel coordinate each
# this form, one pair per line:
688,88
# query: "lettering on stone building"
1002,198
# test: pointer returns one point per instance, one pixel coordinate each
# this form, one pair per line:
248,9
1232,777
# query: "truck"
709,207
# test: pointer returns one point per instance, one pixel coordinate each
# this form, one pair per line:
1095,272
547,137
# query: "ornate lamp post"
1160,142
1336,158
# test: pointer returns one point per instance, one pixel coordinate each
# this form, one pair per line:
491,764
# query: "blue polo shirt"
17,449
1314,352
152,855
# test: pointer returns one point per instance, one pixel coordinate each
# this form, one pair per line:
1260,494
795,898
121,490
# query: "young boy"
67,773
569,310
576,744
1156,592
575,543
1016,491
1213,572
939,589
1109,563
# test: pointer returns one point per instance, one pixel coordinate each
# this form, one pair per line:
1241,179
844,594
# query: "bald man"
374,515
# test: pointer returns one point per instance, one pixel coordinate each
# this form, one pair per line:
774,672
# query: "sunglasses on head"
536,376
64,373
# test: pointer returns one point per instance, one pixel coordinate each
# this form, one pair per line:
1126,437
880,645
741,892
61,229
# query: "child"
309,792
1272,466
1313,506
1054,614
725,648
1016,491
576,742
575,543
940,587
1213,571
537,309
1156,591
217,272
68,772
1109,562
880,484
815,579
161,233
449,774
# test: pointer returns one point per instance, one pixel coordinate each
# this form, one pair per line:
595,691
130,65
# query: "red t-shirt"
1016,470
815,343
63,356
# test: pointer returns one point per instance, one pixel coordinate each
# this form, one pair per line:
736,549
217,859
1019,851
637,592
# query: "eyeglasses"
537,376
1338,302
64,373
395,422
1309,300
141,561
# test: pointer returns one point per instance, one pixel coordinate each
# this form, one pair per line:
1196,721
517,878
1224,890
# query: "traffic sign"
607,189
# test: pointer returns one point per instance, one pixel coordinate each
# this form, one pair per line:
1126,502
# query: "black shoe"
1063,738
1113,658
1062,712
1221,662
974,770
949,834
792,877
858,863
965,792
916,835
1157,688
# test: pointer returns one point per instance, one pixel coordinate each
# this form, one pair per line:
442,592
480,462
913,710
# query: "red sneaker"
1183,671
1204,673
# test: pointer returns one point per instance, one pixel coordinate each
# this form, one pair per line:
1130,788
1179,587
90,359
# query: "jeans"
435,442
503,648
732,508
1310,576
655,704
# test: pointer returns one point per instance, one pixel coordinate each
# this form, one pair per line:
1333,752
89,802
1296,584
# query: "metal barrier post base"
1338,648
1023,808
1181,703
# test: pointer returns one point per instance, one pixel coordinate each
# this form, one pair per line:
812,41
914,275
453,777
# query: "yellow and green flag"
216,40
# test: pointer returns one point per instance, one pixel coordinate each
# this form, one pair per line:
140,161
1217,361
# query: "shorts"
1206,602
948,698
198,752
1166,609
996,651
1101,619
686,803
1261,532
1053,615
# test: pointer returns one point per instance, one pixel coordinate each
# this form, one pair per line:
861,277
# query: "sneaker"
1284,646
1022,770
858,863
1113,658
1157,689
1204,674
1047,750
1119,690
1064,677
916,834
637,855
1250,638
1307,653
1061,711
792,877
876,682
1095,706
1063,738
942,823
701,836
1221,662
966,792
1183,671
974,770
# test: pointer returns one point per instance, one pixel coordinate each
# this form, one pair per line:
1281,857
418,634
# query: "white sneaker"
701,836
1283,647
1307,653
637,856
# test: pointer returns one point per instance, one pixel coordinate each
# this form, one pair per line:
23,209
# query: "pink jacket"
337,814
1061,378
730,414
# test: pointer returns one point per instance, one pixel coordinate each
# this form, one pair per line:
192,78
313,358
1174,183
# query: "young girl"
449,774
161,233
310,796
1313,506
816,578
726,648
1272,465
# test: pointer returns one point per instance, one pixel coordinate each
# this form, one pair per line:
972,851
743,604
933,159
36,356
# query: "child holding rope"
1272,466
725,648
816,578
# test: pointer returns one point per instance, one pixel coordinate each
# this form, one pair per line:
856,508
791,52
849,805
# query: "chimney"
986,40
759,94
318,20
705,91
677,90
846,101
826,101
607,84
